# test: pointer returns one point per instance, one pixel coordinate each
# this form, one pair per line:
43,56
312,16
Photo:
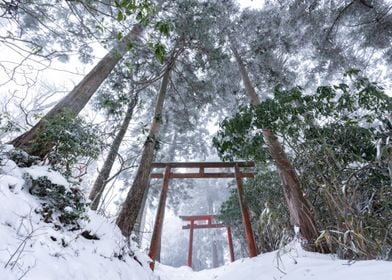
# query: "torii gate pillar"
193,225
157,233
237,174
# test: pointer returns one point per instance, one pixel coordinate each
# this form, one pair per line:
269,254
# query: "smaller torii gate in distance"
209,219
201,166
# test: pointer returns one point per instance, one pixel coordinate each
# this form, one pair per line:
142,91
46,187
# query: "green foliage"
72,139
159,51
338,141
238,138
164,27
293,114
113,104
120,36
59,203
142,9
350,191
22,159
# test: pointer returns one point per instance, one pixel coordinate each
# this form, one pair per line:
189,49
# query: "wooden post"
210,224
245,214
230,242
157,233
156,237
190,248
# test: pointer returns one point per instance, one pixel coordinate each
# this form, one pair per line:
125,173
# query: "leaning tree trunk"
297,204
75,101
141,218
134,200
100,182
140,223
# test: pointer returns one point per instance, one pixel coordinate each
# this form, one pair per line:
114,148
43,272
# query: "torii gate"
201,174
193,225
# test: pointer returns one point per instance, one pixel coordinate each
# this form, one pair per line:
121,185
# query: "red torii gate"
168,174
209,224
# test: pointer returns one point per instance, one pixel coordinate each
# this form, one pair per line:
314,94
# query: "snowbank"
289,263
31,249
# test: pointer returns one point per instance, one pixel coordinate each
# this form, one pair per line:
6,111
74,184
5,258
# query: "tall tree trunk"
297,204
100,182
141,218
134,200
75,101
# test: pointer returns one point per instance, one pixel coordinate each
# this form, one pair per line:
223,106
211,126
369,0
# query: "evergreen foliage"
73,139
60,204
294,114
23,159
338,141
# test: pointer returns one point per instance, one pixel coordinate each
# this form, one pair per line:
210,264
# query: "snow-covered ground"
290,263
34,250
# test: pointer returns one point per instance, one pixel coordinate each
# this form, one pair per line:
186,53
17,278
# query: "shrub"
72,139
59,203
21,158
339,142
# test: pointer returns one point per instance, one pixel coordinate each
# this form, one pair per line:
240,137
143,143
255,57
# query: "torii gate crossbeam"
201,166
193,225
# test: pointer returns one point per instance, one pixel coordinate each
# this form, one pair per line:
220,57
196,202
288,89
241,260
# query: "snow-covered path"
291,263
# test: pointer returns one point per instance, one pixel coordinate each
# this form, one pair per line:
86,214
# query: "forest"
109,111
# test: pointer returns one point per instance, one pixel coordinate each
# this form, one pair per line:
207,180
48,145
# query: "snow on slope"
33,250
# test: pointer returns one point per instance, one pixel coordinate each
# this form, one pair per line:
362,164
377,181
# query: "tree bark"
77,99
100,182
141,218
138,228
134,200
297,204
